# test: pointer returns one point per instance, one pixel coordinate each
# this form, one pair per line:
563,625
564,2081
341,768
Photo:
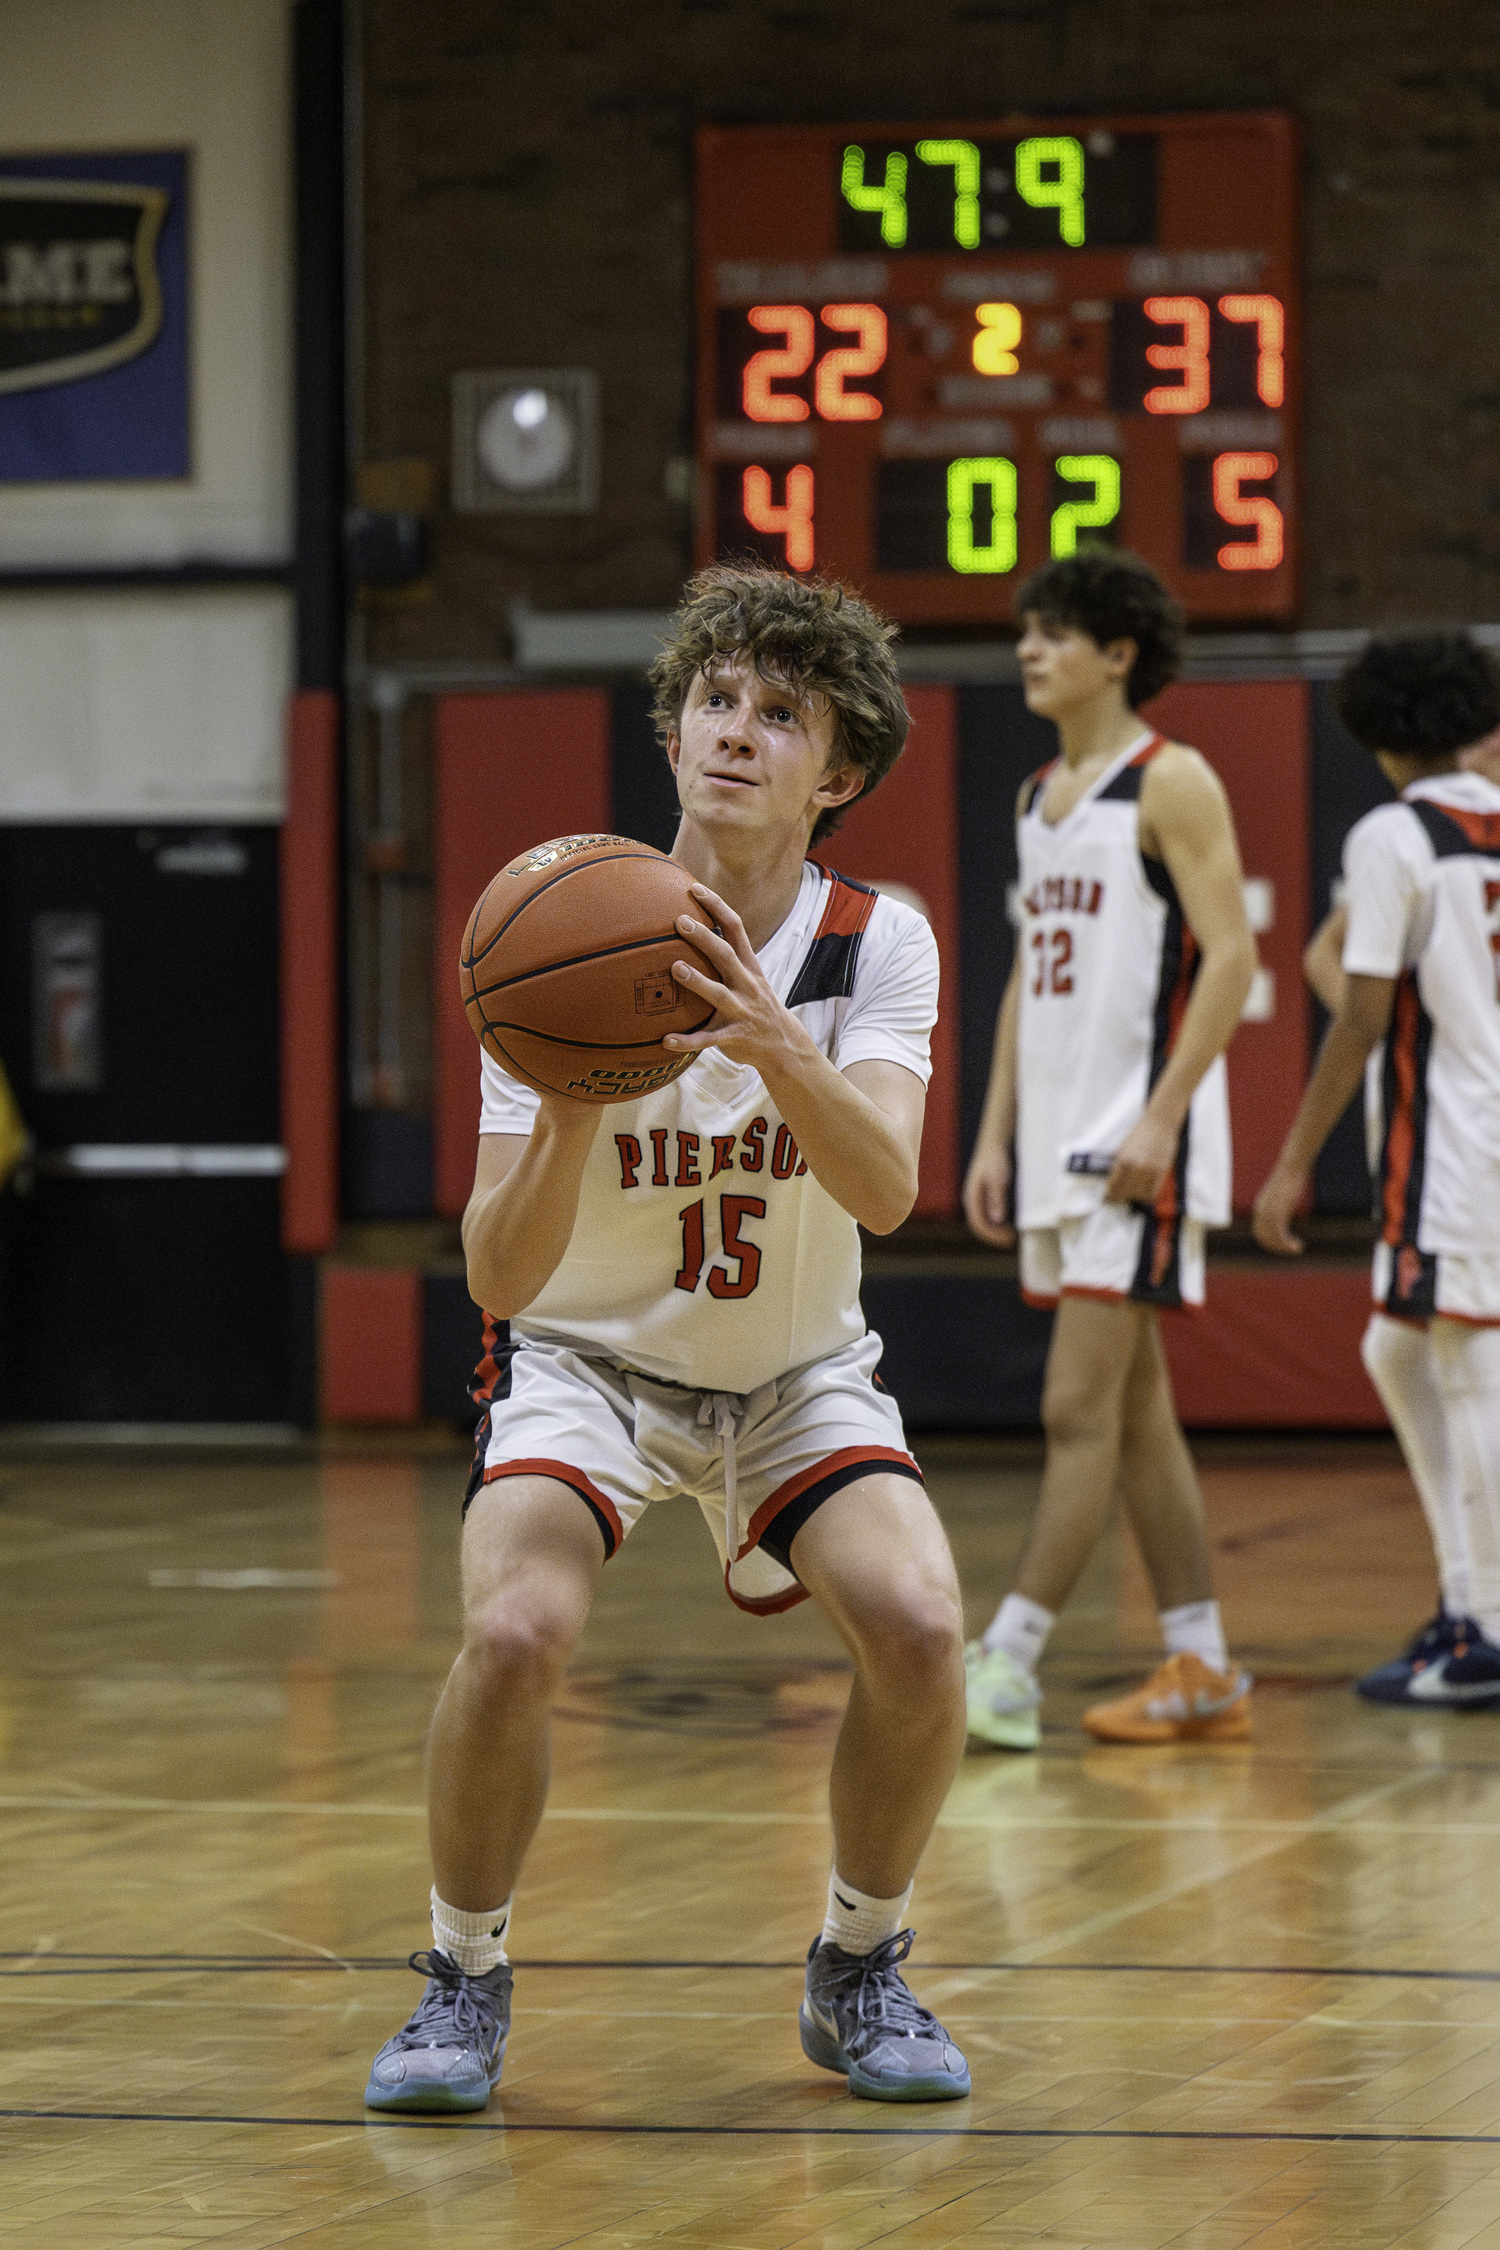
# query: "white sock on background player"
1466,1361
857,1922
1400,1362
1020,1627
474,1942
1195,1629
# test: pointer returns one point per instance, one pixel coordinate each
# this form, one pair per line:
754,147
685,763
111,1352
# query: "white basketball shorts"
1411,1284
757,1464
1115,1252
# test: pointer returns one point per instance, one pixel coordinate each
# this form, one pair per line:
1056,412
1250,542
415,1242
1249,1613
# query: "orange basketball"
566,968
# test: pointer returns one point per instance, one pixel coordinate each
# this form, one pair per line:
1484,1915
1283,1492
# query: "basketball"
566,968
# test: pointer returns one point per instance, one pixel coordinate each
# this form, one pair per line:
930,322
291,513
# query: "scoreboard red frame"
931,355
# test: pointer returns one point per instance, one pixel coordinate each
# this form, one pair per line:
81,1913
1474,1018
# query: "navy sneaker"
449,2054
1391,1683
859,2018
1466,1680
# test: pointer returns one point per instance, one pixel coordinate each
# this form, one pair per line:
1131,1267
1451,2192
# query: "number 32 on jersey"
1052,952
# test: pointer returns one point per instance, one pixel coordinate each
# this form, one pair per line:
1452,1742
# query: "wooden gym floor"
1211,1996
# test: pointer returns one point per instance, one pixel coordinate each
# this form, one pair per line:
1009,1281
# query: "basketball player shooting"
681,1275
1418,986
1133,959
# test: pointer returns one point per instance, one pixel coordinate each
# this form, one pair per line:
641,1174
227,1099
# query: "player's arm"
1323,961
1185,822
987,1183
860,1129
521,1213
988,1180
1362,1021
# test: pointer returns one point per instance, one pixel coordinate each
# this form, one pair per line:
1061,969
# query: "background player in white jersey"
1419,980
681,1274
1133,959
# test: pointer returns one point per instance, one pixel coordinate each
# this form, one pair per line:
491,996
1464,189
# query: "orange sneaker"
1183,1701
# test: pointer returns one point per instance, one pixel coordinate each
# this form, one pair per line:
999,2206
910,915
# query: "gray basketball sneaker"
859,2018
449,2055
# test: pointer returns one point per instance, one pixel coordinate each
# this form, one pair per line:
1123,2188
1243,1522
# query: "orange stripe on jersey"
1482,829
1147,751
482,1388
848,910
1401,1128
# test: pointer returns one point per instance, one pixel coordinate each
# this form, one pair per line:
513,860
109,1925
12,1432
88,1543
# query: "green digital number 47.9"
1049,175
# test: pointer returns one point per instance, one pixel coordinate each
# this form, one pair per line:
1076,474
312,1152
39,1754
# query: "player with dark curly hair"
682,1288
1409,966
1133,959
805,633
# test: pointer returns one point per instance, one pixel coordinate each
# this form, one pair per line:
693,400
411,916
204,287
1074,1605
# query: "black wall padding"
999,744
387,1164
962,1352
1346,784
645,804
150,1300
318,45
187,979
452,1339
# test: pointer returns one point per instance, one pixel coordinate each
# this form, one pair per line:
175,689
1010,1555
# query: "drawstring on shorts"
722,1409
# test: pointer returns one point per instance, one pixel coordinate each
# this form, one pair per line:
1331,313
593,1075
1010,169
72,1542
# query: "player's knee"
915,1636
1073,1410
518,1646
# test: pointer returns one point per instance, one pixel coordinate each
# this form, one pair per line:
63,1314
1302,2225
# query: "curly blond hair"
817,636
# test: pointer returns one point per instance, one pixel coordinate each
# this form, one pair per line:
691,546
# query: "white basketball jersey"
1107,965
704,1251
1422,882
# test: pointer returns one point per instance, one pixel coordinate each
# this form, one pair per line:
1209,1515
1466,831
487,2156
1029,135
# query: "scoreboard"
932,356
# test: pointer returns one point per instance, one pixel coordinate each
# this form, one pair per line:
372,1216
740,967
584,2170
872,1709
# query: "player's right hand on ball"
987,1198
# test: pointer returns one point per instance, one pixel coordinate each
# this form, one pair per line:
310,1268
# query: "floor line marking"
1328,1822
388,2121
1063,1824
146,1965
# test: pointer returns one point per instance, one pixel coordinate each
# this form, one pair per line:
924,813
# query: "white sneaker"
1004,1703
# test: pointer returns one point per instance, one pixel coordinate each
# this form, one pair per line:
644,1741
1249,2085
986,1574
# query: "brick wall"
528,202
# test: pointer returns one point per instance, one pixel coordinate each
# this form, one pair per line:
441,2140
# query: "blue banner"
94,318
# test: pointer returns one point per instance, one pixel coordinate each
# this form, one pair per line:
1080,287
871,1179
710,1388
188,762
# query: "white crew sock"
1466,1362
858,1922
1195,1629
1020,1627
475,1942
1399,1360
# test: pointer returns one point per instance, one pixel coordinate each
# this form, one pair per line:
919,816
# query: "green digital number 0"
889,199
1102,471
964,478
1064,192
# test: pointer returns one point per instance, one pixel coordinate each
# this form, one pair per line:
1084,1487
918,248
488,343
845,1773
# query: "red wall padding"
1275,1348
509,771
1254,733
309,941
370,1344
908,833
